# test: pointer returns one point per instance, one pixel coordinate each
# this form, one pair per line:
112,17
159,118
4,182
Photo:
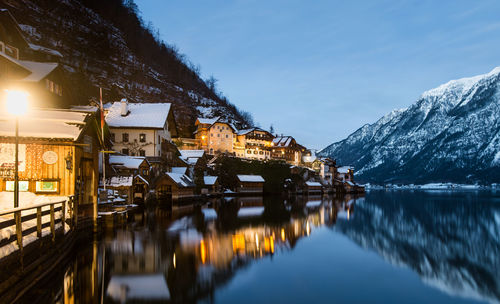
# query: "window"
227,136
218,135
254,152
145,172
125,137
47,186
23,186
142,137
260,152
142,153
112,136
125,151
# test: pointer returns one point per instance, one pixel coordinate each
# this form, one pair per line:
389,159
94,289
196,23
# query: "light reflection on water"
388,247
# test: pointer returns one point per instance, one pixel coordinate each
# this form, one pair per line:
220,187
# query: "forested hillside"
107,44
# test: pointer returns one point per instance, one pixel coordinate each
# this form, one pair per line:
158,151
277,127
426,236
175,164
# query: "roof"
207,121
314,184
350,183
119,181
180,179
141,115
126,161
142,179
191,156
38,70
344,169
246,131
44,123
43,49
210,180
251,178
282,141
179,170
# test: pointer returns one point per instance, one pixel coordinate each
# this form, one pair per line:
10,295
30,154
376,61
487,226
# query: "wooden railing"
18,219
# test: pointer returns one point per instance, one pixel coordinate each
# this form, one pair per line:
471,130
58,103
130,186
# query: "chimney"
124,107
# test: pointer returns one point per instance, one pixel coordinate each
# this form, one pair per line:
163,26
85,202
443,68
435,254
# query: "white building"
139,129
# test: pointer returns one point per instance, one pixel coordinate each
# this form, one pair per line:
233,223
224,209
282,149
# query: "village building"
313,187
253,143
253,184
215,136
345,174
58,156
141,129
287,149
132,176
174,186
29,67
211,185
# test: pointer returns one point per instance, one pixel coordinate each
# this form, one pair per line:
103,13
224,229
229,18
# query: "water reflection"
450,240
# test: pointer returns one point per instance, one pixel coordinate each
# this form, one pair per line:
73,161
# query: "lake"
385,247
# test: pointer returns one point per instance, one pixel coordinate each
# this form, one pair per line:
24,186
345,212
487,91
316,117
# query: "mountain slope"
107,44
450,134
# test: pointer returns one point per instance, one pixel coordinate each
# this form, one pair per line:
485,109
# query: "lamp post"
17,105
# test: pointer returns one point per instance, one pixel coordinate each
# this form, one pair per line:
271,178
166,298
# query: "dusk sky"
319,70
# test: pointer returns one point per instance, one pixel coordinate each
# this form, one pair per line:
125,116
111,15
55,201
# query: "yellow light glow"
203,137
203,251
174,261
17,102
238,242
257,240
283,234
272,244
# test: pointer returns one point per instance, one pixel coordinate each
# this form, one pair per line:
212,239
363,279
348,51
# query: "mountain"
107,44
450,134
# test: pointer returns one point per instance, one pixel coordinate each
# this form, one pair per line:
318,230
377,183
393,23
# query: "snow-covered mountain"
450,134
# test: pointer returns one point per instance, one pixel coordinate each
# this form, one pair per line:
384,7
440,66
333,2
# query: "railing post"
19,234
63,216
52,222
39,222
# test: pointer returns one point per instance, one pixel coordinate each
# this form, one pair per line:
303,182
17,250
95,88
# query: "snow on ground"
26,199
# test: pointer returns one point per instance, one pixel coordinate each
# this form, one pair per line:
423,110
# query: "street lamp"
17,105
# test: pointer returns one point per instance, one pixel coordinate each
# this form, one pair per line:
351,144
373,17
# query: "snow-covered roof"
344,169
210,180
37,123
282,141
38,70
313,184
251,178
179,170
207,121
185,154
126,161
141,115
119,181
350,183
89,109
44,50
180,179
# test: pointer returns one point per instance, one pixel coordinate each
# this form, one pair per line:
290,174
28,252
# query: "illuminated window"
142,138
23,186
46,186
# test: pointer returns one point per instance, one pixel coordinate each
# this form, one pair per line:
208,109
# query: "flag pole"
102,137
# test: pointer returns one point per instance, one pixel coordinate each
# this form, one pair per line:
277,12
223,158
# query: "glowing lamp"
17,102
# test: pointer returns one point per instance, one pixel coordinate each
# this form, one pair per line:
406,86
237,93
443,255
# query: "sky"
319,70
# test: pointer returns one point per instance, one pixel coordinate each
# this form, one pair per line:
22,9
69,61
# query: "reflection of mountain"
453,245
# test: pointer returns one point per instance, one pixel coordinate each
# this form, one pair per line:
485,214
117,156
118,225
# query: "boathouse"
212,186
313,187
250,184
174,186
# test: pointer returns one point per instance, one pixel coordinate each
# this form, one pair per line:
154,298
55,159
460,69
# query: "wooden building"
29,67
58,155
174,186
287,149
212,186
138,169
250,184
313,187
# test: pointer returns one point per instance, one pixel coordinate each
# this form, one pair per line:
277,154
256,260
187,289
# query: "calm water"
386,247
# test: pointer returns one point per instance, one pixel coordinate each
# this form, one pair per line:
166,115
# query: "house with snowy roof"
58,155
253,184
140,129
287,149
253,143
174,186
214,135
211,185
28,66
